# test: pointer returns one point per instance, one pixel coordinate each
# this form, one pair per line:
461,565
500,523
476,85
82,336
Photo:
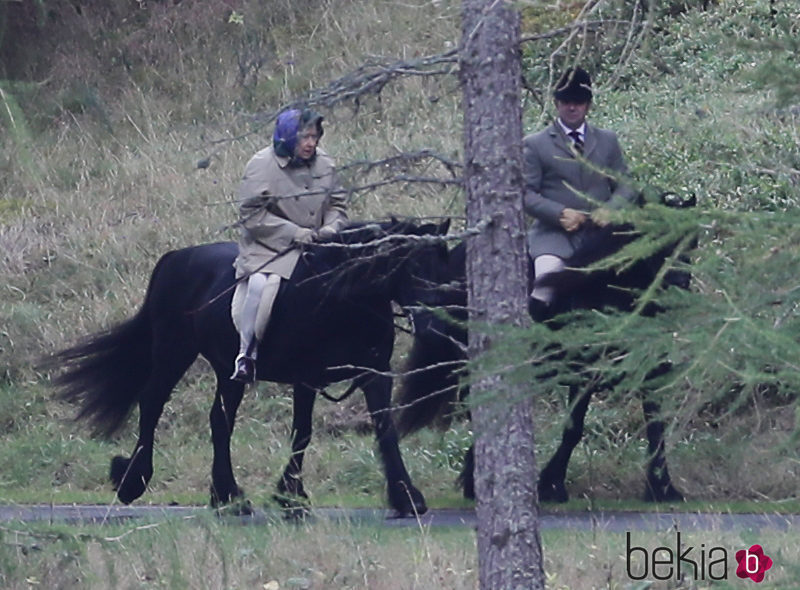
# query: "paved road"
603,520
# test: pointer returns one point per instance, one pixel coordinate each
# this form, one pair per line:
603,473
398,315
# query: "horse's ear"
444,227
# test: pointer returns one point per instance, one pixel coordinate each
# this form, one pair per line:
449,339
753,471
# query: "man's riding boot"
539,311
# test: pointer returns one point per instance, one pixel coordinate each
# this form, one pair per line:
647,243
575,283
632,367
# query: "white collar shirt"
581,130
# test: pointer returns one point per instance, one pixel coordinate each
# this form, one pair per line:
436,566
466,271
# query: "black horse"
437,358
332,321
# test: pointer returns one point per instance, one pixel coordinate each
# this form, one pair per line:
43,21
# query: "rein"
354,384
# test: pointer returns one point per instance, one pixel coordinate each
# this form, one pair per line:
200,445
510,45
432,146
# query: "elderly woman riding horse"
332,321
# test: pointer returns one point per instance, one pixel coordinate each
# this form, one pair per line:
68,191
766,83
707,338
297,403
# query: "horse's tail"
431,383
106,373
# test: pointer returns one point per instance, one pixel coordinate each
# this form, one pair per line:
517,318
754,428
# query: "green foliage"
541,17
779,69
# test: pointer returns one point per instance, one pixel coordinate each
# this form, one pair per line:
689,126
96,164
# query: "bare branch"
575,26
371,77
403,160
404,238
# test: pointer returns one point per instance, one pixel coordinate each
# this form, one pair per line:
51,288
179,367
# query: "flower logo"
753,563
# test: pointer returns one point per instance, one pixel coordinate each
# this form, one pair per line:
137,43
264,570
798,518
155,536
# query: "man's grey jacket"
556,178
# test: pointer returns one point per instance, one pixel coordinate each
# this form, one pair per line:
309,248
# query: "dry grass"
204,552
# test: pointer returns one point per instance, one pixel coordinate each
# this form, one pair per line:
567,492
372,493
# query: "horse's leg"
290,486
403,496
222,417
467,476
551,480
658,487
171,360
466,479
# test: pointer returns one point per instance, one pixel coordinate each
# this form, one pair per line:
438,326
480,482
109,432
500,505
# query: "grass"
207,553
62,464
203,551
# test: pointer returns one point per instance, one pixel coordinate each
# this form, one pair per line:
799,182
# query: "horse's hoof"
292,498
220,500
291,486
237,507
293,507
418,509
296,513
397,515
408,502
128,484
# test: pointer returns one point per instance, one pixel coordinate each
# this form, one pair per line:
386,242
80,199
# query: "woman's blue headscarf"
288,125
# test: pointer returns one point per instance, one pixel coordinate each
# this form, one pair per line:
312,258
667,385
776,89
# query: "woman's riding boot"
245,364
244,369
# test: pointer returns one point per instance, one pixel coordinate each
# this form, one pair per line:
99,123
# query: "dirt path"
584,521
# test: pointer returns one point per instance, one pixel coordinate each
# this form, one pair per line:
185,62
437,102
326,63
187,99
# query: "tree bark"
509,545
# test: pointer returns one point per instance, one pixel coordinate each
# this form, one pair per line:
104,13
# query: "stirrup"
244,369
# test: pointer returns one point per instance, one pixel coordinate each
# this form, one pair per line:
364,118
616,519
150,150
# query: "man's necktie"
576,140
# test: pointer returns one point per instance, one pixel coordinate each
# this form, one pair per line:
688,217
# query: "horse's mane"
364,253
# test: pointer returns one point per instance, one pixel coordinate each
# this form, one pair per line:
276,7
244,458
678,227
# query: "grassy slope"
95,190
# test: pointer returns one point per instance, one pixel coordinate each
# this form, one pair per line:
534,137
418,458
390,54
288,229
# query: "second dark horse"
437,357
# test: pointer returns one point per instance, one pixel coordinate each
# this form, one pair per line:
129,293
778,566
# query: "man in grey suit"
572,172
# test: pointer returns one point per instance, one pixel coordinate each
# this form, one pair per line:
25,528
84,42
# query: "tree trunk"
509,546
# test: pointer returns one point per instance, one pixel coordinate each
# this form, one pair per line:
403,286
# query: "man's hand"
572,219
304,235
601,217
